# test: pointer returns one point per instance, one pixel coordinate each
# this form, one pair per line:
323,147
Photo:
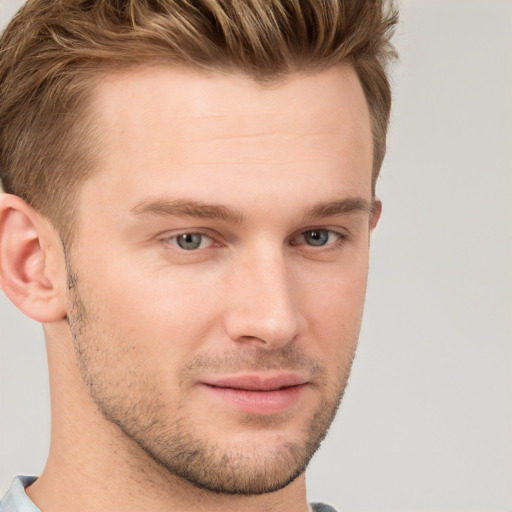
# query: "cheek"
336,292
333,304
157,321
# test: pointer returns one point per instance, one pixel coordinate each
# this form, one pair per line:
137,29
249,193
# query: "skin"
138,328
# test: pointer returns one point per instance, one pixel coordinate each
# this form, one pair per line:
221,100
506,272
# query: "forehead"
202,94
168,129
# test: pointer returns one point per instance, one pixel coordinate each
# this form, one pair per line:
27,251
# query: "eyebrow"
196,209
339,207
185,208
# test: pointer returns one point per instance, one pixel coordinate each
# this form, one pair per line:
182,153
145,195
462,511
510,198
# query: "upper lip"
254,382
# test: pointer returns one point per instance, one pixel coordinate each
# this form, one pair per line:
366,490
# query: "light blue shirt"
16,499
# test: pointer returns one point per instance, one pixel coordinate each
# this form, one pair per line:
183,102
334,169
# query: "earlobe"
24,274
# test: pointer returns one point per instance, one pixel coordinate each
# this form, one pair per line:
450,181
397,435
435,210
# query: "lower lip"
259,402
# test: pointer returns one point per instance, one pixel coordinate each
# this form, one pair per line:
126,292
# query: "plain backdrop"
426,424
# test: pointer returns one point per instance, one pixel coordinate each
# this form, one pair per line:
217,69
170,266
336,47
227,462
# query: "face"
219,272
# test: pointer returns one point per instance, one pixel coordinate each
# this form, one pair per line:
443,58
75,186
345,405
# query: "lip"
254,382
257,394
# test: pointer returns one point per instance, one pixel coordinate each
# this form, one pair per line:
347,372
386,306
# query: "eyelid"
167,236
341,235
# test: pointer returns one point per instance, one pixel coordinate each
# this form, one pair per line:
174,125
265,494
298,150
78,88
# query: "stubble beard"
175,444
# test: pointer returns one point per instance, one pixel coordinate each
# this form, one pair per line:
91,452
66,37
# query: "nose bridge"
263,306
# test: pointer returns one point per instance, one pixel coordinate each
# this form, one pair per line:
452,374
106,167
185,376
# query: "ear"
28,243
376,212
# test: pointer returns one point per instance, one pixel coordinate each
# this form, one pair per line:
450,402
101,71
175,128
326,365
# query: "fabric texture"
16,499
321,507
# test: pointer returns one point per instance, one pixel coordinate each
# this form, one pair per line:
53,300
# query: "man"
189,196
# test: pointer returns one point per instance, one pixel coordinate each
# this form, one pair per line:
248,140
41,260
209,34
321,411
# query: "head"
210,170
54,53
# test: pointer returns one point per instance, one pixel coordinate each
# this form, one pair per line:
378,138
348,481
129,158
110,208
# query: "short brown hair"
53,52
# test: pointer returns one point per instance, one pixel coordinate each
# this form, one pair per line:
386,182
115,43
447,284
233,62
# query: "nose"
263,301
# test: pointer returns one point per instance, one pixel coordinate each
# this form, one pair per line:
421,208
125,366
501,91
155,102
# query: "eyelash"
175,237
341,238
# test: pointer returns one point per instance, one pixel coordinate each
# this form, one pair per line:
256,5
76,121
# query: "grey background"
426,424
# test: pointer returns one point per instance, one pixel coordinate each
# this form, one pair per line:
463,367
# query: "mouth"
256,394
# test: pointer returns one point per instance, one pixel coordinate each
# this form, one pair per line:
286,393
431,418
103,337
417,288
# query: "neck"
93,465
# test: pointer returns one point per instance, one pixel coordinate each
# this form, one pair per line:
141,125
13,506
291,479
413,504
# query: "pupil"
317,237
189,241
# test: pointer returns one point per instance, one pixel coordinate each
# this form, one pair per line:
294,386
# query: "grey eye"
316,237
189,241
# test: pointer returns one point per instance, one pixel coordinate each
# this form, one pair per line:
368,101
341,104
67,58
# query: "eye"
318,237
190,241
